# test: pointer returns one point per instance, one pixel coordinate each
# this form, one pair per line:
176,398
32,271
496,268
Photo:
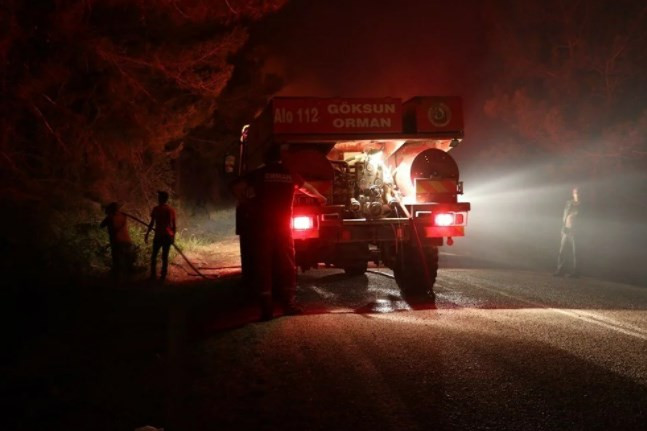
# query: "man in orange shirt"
120,243
163,222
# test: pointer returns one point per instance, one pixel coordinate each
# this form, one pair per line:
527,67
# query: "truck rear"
385,168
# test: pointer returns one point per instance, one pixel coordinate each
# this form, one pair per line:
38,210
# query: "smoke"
516,220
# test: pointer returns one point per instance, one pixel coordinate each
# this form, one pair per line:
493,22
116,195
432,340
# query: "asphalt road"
501,349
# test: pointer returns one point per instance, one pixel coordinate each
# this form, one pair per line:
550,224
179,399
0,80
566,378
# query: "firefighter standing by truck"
270,191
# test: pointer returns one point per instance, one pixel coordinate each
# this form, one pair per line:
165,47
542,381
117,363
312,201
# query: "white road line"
321,292
586,316
386,274
340,311
600,320
582,315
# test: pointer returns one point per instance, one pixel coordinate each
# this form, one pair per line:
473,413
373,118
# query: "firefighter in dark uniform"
270,190
567,250
244,222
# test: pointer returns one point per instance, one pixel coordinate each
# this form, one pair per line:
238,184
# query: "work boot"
267,309
292,309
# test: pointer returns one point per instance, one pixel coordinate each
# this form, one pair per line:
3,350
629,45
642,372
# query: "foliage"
98,96
569,77
97,89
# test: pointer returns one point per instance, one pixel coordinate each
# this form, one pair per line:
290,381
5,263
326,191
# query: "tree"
96,89
97,94
569,76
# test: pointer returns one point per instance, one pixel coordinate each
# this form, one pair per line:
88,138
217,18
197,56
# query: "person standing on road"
244,222
567,249
120,244
270,190
163,221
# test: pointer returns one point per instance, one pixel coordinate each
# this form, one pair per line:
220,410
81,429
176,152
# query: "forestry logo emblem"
439,114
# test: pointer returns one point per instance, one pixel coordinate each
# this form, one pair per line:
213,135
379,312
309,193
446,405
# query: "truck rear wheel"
410,273
355,269
353,257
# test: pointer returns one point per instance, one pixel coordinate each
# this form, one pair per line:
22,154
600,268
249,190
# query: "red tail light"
444,219
302,223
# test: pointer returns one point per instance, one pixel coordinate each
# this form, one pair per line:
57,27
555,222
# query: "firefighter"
244,222
567,250
163,219
121,246
269,190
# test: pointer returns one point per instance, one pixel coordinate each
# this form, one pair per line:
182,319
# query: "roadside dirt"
214,260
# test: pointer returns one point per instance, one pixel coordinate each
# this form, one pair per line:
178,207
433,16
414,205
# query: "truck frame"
392,187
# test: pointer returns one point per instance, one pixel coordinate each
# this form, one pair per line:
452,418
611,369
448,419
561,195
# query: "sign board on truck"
336,116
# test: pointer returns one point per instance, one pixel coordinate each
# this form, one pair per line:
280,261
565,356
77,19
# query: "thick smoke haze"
516,219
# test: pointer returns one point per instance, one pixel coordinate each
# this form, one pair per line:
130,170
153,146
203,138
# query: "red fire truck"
384,167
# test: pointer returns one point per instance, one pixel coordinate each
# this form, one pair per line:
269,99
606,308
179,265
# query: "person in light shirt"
567,249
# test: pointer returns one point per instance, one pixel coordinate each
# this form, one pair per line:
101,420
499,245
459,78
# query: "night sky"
364,48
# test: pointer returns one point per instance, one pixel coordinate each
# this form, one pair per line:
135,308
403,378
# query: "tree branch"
231,8
50,129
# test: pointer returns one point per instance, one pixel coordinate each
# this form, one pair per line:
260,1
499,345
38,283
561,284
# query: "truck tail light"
302,223
444,219
448,224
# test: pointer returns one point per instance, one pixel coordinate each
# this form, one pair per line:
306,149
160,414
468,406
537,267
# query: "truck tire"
356,269
353,258
410,274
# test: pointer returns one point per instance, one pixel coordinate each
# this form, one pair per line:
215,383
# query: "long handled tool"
419,248
174,246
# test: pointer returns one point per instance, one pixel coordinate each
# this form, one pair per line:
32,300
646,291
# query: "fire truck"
383,165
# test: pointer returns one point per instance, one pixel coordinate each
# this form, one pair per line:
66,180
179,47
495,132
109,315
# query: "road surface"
502,349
